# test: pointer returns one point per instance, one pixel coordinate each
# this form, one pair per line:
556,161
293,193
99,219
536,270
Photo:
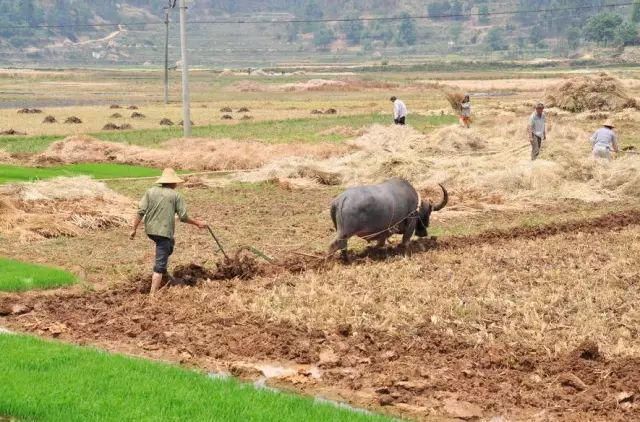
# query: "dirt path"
423,373
109,37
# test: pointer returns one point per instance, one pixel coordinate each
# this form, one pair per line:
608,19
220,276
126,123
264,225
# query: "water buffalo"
376,212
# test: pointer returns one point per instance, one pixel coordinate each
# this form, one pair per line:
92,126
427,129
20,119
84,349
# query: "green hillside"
455,28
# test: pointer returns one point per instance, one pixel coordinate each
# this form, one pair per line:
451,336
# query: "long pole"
166,57
186,119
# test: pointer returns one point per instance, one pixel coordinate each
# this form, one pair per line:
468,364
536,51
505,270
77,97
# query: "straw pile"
193,154
490,164
602,92
63,207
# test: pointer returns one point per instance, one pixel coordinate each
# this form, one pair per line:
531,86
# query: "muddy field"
520,304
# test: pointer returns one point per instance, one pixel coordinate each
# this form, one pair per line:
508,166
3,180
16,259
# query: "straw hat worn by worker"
158,208
604,140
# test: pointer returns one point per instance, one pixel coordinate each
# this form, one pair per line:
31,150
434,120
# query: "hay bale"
166,122
136,115
12,132
116,116
227,117
243,110
50,119
73,120
602,92
111,126
226,110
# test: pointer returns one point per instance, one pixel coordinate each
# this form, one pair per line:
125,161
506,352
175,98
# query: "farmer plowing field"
158,208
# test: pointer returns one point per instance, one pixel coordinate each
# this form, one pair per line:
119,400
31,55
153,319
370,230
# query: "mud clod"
588,350
242,267
190,275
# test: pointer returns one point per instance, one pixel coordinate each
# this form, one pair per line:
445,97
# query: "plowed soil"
413,373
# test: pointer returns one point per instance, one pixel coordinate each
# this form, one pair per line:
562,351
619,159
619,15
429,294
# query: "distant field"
18,276
9,173
48,381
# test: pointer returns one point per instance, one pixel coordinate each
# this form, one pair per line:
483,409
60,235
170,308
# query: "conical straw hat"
169,176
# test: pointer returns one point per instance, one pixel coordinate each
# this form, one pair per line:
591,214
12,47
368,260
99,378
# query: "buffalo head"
425,210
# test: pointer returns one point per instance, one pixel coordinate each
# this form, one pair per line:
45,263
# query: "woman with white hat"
158,208
604,140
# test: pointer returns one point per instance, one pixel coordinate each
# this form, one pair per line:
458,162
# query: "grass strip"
273,131
10,173
308,130
27,144
50,381
16,276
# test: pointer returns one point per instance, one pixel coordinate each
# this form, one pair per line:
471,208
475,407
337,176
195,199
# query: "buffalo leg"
339,244
409,229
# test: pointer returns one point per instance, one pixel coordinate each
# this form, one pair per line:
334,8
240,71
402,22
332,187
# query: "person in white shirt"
604,140
399,111
537,130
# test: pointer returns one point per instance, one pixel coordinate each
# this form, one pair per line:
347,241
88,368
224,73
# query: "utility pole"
186,113
166,56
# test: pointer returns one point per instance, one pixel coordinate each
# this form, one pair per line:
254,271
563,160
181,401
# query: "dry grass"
535,293
192,154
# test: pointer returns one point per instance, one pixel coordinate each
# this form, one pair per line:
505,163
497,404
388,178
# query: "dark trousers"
399,120
164,249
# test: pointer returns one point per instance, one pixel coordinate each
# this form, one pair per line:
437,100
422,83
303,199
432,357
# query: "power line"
289,21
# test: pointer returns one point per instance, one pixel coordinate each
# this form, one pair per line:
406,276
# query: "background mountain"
55,32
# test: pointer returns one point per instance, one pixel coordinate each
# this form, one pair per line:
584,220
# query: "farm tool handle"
256,252
218,242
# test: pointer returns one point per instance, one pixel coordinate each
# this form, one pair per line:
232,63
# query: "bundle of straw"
455,99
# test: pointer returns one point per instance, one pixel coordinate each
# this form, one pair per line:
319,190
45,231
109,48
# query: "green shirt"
158,208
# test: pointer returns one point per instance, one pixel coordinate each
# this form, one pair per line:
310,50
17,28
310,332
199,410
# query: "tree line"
471,20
